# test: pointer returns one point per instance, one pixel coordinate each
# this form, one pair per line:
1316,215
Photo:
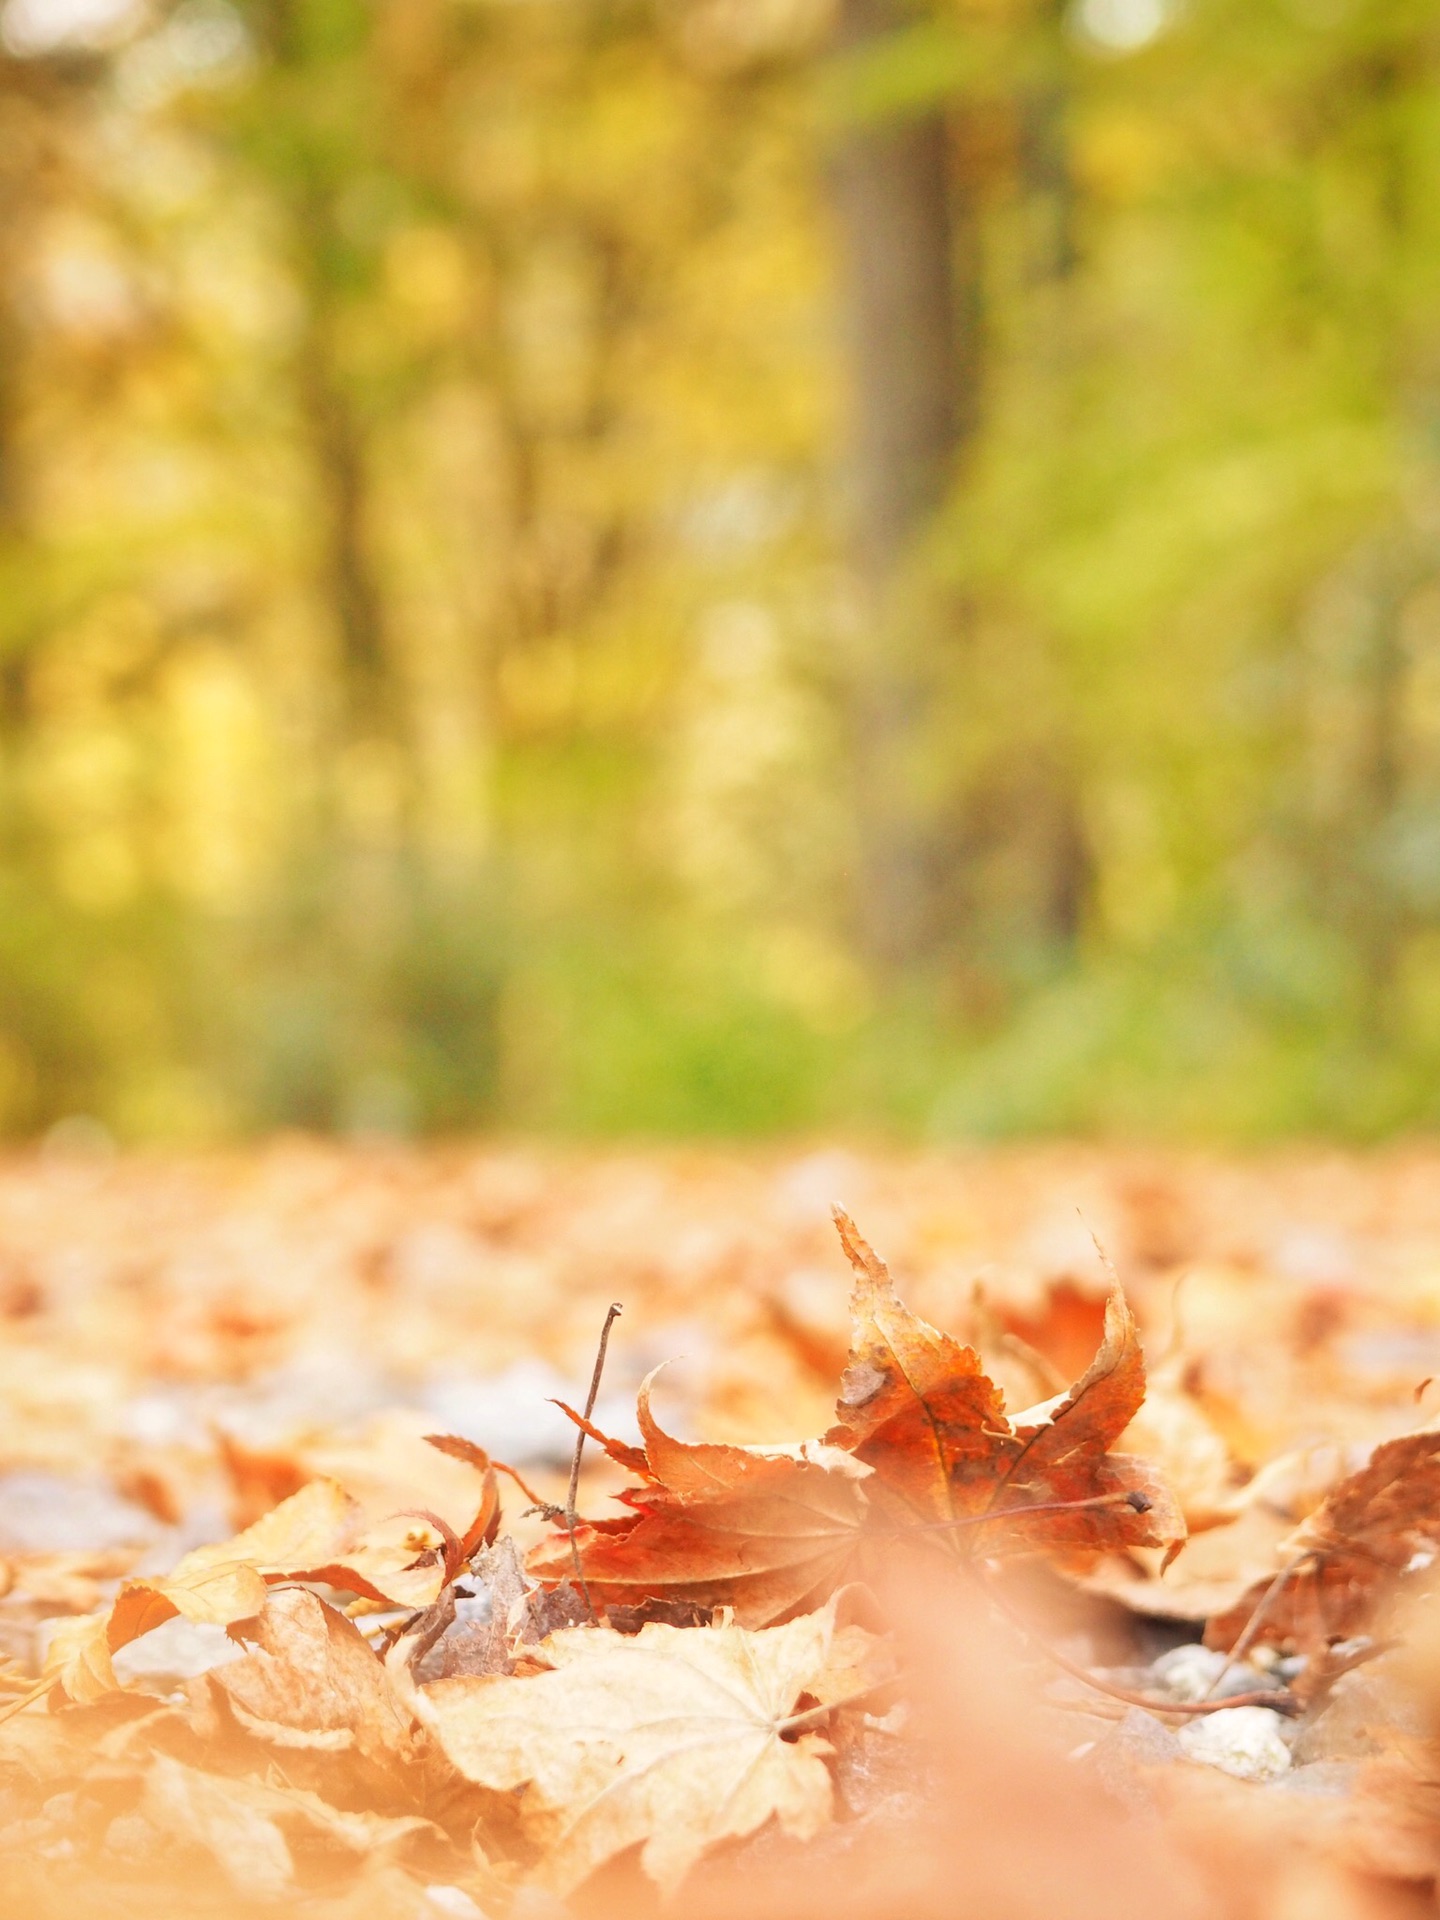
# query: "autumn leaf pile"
371,1699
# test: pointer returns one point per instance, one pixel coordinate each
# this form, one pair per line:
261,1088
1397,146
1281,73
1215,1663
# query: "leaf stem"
1137,1502
1250,1632
812,1716
547,1507
12,1707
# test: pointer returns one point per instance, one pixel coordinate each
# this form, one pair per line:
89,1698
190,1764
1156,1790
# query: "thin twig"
571,1518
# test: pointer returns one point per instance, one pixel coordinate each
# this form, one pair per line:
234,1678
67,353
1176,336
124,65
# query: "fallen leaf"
1335,1569
496,1619
63,1582
322,1534
916,1407
233,1821
394,1464
767,1531
218,1584
1174,1434
312,1681
921,1449
672,1740
1219,1565
77,1661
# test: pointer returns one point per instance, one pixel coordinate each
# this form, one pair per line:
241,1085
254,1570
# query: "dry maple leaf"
1348,1556
769,1532
500,1617
673,1739
916,1407
921,1449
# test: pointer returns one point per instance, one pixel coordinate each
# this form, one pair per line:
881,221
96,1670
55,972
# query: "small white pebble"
1194,1673
1189,1672
1243,1741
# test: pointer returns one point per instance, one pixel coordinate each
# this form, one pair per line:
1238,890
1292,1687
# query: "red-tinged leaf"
633,1459
917,1408
921,1450
767,1532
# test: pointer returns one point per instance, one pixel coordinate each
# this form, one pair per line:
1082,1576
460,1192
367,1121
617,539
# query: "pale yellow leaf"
671,1739
78,1659
311,1527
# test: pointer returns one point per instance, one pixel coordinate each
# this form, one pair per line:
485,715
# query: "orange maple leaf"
921,1447
770,1532
916,1406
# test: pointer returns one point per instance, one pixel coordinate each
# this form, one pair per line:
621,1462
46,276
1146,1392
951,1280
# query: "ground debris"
262,1626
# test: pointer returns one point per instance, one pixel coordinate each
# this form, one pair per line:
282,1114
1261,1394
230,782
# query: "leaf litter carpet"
1052,1527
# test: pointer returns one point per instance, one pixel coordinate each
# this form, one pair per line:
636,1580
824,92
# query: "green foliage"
427,663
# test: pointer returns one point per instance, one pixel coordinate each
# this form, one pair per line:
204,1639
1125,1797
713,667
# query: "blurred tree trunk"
913,384
906,192
910,297
307,175
338,454
10,362
1060,862
1047,178
1373,903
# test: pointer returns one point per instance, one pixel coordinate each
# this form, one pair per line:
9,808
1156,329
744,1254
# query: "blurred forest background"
720,565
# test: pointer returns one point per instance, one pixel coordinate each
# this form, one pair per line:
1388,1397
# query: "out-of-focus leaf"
1348,1556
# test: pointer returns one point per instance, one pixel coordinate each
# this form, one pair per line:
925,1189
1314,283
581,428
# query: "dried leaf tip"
862,1256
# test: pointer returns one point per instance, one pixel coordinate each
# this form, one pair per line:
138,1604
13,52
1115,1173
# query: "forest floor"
192,1347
